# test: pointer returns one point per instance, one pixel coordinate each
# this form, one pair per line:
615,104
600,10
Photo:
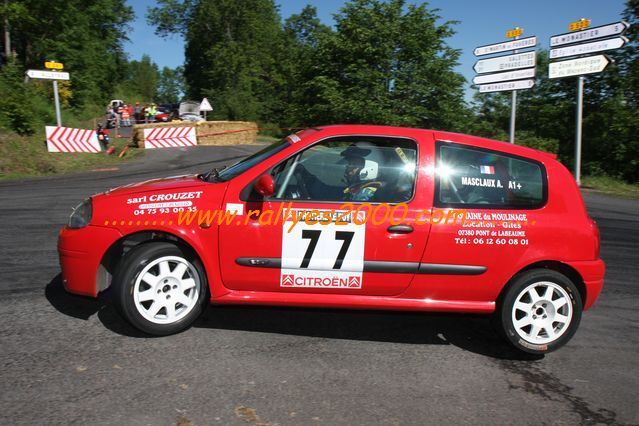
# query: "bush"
530,140
16,101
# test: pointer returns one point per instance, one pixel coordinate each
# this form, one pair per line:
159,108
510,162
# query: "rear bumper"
592,272
80,252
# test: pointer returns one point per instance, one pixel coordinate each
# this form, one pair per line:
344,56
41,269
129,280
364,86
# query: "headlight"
81,215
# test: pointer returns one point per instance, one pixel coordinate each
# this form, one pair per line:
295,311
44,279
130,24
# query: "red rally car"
349,216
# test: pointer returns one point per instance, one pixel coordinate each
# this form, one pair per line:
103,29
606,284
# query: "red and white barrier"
169,137
67,139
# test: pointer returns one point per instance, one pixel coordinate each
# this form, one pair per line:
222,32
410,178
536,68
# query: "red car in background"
162,116
358,217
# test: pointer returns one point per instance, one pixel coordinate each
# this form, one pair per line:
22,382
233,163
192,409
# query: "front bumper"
592,272
81,251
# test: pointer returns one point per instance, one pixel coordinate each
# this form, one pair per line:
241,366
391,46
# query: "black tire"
127,287
541,313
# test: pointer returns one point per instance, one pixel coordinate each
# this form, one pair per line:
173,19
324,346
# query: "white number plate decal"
325,251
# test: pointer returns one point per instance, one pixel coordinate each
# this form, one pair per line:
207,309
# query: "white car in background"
190,111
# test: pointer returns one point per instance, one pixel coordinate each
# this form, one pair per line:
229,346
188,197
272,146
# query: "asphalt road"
72,360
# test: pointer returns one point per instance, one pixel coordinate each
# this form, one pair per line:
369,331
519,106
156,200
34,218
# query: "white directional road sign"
616,28
48,75
506,63
579,66
507,85
522,43
592,47
504,76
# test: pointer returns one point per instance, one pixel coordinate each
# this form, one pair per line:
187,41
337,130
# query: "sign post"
583,40
54,74
508,73
56,100
513,102
580,109
53,65
205,106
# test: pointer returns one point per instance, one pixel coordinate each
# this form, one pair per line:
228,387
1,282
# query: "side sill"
313,300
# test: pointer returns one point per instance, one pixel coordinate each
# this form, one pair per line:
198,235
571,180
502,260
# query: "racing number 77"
313,235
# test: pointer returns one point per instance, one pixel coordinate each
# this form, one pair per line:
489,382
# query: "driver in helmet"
355,174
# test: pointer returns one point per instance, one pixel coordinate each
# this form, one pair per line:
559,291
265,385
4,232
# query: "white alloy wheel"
542,312
166,290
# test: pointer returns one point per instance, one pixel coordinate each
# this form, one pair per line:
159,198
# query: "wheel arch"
116,252
571,273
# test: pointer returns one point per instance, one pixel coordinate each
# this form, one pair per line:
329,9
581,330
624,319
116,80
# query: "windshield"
245,164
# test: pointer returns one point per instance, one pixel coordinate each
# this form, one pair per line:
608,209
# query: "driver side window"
367,169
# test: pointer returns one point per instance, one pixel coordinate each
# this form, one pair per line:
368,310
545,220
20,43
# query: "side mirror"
265,186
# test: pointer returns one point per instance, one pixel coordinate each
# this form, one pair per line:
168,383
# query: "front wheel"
540,311
160,288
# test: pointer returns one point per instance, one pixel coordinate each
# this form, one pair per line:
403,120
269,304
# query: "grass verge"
28,156
611,186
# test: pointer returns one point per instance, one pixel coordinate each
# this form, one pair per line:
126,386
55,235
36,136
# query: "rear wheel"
160,288
540,311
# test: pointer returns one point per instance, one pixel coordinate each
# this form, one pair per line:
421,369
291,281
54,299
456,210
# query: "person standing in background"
111,118
118,111
126,122
151,112
137,113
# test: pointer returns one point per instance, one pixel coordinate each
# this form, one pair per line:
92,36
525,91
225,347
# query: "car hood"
155,200
158,185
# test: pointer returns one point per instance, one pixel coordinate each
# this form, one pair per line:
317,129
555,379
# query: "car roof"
438,135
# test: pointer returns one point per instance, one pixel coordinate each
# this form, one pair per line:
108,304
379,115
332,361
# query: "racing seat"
397,187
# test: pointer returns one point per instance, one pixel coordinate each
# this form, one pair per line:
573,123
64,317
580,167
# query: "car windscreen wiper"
213,173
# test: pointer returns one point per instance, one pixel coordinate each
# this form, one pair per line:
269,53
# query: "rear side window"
473,177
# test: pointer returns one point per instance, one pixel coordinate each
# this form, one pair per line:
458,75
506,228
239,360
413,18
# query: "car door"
323,232
501,198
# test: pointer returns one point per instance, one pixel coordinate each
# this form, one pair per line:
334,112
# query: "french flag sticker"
487,170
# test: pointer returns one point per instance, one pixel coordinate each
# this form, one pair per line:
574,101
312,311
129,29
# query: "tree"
12,13
302,33
386,63
171,16
617,150
545,114
546,118
626,60
142,78
305,28
171,85
16,102
232,53
86,35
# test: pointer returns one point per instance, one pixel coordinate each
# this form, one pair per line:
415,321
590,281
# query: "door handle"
400,229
